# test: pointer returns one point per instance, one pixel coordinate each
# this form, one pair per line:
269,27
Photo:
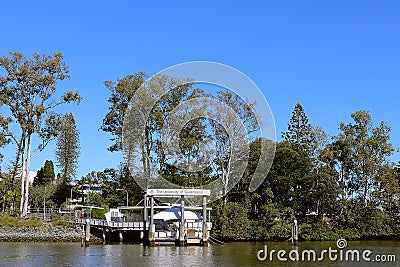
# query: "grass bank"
15,221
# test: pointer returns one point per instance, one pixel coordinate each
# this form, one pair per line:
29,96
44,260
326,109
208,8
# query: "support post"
295,233
83,234
44,204
121,237
87,233
152,227
145,231
182,224
104,235
205,228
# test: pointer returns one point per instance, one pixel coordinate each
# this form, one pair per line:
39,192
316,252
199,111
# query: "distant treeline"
341,186
336,187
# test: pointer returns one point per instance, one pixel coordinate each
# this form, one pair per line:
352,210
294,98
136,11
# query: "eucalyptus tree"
325,190
388,190
121,93
3,142
143,135
3,134
233,139
363,150
28,87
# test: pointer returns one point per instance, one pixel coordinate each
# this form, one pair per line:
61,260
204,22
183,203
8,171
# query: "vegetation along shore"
340,186
17,229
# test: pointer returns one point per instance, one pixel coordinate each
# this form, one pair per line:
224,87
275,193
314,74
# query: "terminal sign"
178,192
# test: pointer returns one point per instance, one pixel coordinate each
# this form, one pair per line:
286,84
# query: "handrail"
113,224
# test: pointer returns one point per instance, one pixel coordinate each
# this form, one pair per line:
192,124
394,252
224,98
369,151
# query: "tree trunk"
22,151
28,165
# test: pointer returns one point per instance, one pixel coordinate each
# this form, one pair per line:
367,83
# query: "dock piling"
121,237
295,233
152,230
104,235
87,233
83,235
205,229
182,224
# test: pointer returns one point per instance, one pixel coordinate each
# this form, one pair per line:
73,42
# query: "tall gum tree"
141,133
27,90
367,151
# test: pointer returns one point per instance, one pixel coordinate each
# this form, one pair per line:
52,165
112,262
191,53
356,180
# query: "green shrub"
349,234
60,223
260,231
281,231
13,221
321,231
236,224
98,214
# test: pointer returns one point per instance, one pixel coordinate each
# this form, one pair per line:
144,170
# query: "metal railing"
197,225
50,214
112,224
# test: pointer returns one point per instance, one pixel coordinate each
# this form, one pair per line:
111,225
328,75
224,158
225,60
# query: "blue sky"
333,57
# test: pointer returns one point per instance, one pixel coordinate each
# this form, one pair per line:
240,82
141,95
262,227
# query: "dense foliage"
342,186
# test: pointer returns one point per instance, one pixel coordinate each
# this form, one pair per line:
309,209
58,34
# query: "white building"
31,177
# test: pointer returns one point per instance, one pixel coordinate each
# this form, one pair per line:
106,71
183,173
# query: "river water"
229,254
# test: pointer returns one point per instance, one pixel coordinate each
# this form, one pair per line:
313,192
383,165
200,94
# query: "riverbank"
45,233
17,229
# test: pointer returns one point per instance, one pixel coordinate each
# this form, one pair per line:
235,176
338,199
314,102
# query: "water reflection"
230,254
